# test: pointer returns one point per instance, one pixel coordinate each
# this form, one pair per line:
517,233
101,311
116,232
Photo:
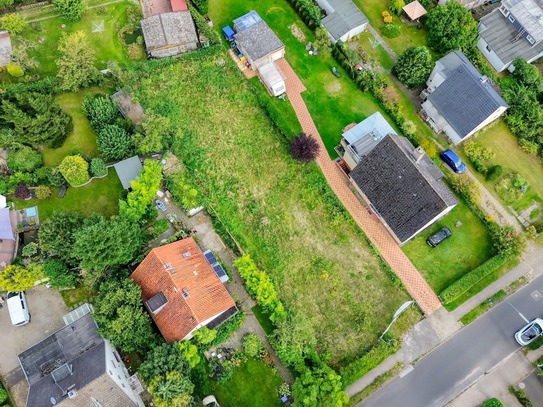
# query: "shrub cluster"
521,397
260,286
308,11
495,172
462,285
477,155
371,359
204,29
253,346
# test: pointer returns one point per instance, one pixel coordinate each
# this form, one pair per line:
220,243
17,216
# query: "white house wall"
353,33
491,56
118,373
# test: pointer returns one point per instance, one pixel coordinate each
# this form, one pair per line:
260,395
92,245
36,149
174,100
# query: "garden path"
413,281
383,43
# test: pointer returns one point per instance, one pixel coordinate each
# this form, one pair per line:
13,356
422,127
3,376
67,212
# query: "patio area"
27,219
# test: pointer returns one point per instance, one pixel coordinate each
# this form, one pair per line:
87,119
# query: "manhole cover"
536,295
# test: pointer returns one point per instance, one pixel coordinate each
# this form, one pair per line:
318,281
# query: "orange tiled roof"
166,269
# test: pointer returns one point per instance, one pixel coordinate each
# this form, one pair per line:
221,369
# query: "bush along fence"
309,12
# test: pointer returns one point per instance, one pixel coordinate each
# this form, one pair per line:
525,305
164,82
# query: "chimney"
418,153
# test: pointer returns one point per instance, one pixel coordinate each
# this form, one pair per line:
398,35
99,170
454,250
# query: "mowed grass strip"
333,103
82,139
281,212
468,247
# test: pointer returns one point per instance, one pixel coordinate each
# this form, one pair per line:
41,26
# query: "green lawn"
411,36
253,384
468,247
101,195
504,145
314,253
332,102
82,138
105,44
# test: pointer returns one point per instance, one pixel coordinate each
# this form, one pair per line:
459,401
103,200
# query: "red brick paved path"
338,181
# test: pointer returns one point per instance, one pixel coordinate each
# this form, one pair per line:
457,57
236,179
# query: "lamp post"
398,312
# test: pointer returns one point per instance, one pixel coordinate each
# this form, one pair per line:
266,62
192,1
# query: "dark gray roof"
466,98
73,357
156,302
406,194
498,32
168,29
345,17
128,170
258,40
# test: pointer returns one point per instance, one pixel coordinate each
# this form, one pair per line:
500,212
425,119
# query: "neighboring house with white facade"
460,100
514,30
343,20
76,367
469,4
403,187
359,140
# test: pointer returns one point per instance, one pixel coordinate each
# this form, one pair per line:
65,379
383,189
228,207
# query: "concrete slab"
46,308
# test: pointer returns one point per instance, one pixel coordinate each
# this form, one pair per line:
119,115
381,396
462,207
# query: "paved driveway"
46,308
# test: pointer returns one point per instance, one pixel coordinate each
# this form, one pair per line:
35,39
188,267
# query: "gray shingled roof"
345,17
168,29
498,35
77,345
258,40
406,194
465,99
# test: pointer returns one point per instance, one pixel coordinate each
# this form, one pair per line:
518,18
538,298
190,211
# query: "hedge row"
204,29
308,11
276,116
462,285
370,360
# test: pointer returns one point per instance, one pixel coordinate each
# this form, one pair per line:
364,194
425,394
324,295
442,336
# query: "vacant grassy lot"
332,102
504,145
45,35
82,139
253,384
411,35
100,196
468,247
280,212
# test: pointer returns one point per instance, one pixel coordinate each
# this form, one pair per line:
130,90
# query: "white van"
18,310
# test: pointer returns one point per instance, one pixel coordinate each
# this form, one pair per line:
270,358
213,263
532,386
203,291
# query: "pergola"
414,10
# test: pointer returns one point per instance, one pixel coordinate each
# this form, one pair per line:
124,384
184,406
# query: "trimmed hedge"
463,284
370,360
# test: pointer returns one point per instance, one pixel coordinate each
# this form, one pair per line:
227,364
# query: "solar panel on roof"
218,270
210,257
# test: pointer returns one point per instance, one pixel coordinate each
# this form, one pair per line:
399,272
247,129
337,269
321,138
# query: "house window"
530,39
488,48
117,356
511,18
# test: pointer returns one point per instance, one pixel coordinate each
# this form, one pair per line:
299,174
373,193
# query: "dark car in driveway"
453,161
439,236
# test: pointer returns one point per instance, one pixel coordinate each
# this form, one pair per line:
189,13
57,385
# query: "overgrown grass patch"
281,212
507,153
77,296
82,138
254,383
468,247
100,196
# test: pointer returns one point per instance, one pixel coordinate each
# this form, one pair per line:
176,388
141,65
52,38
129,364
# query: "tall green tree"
414,66
100,111
60,276
13,23
143,191
114,142
74,169
71,10
319,387
57,234
451,27
119,313
155,133
528,75
24,159
101,243
36,118
76,62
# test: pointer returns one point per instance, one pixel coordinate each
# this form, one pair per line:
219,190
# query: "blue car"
453,161
160,205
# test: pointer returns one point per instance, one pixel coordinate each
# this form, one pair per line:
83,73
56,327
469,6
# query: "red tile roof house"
181,291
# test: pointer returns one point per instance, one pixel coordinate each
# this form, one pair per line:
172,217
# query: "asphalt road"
445,372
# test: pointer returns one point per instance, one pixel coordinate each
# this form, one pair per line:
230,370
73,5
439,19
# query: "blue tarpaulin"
228,33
